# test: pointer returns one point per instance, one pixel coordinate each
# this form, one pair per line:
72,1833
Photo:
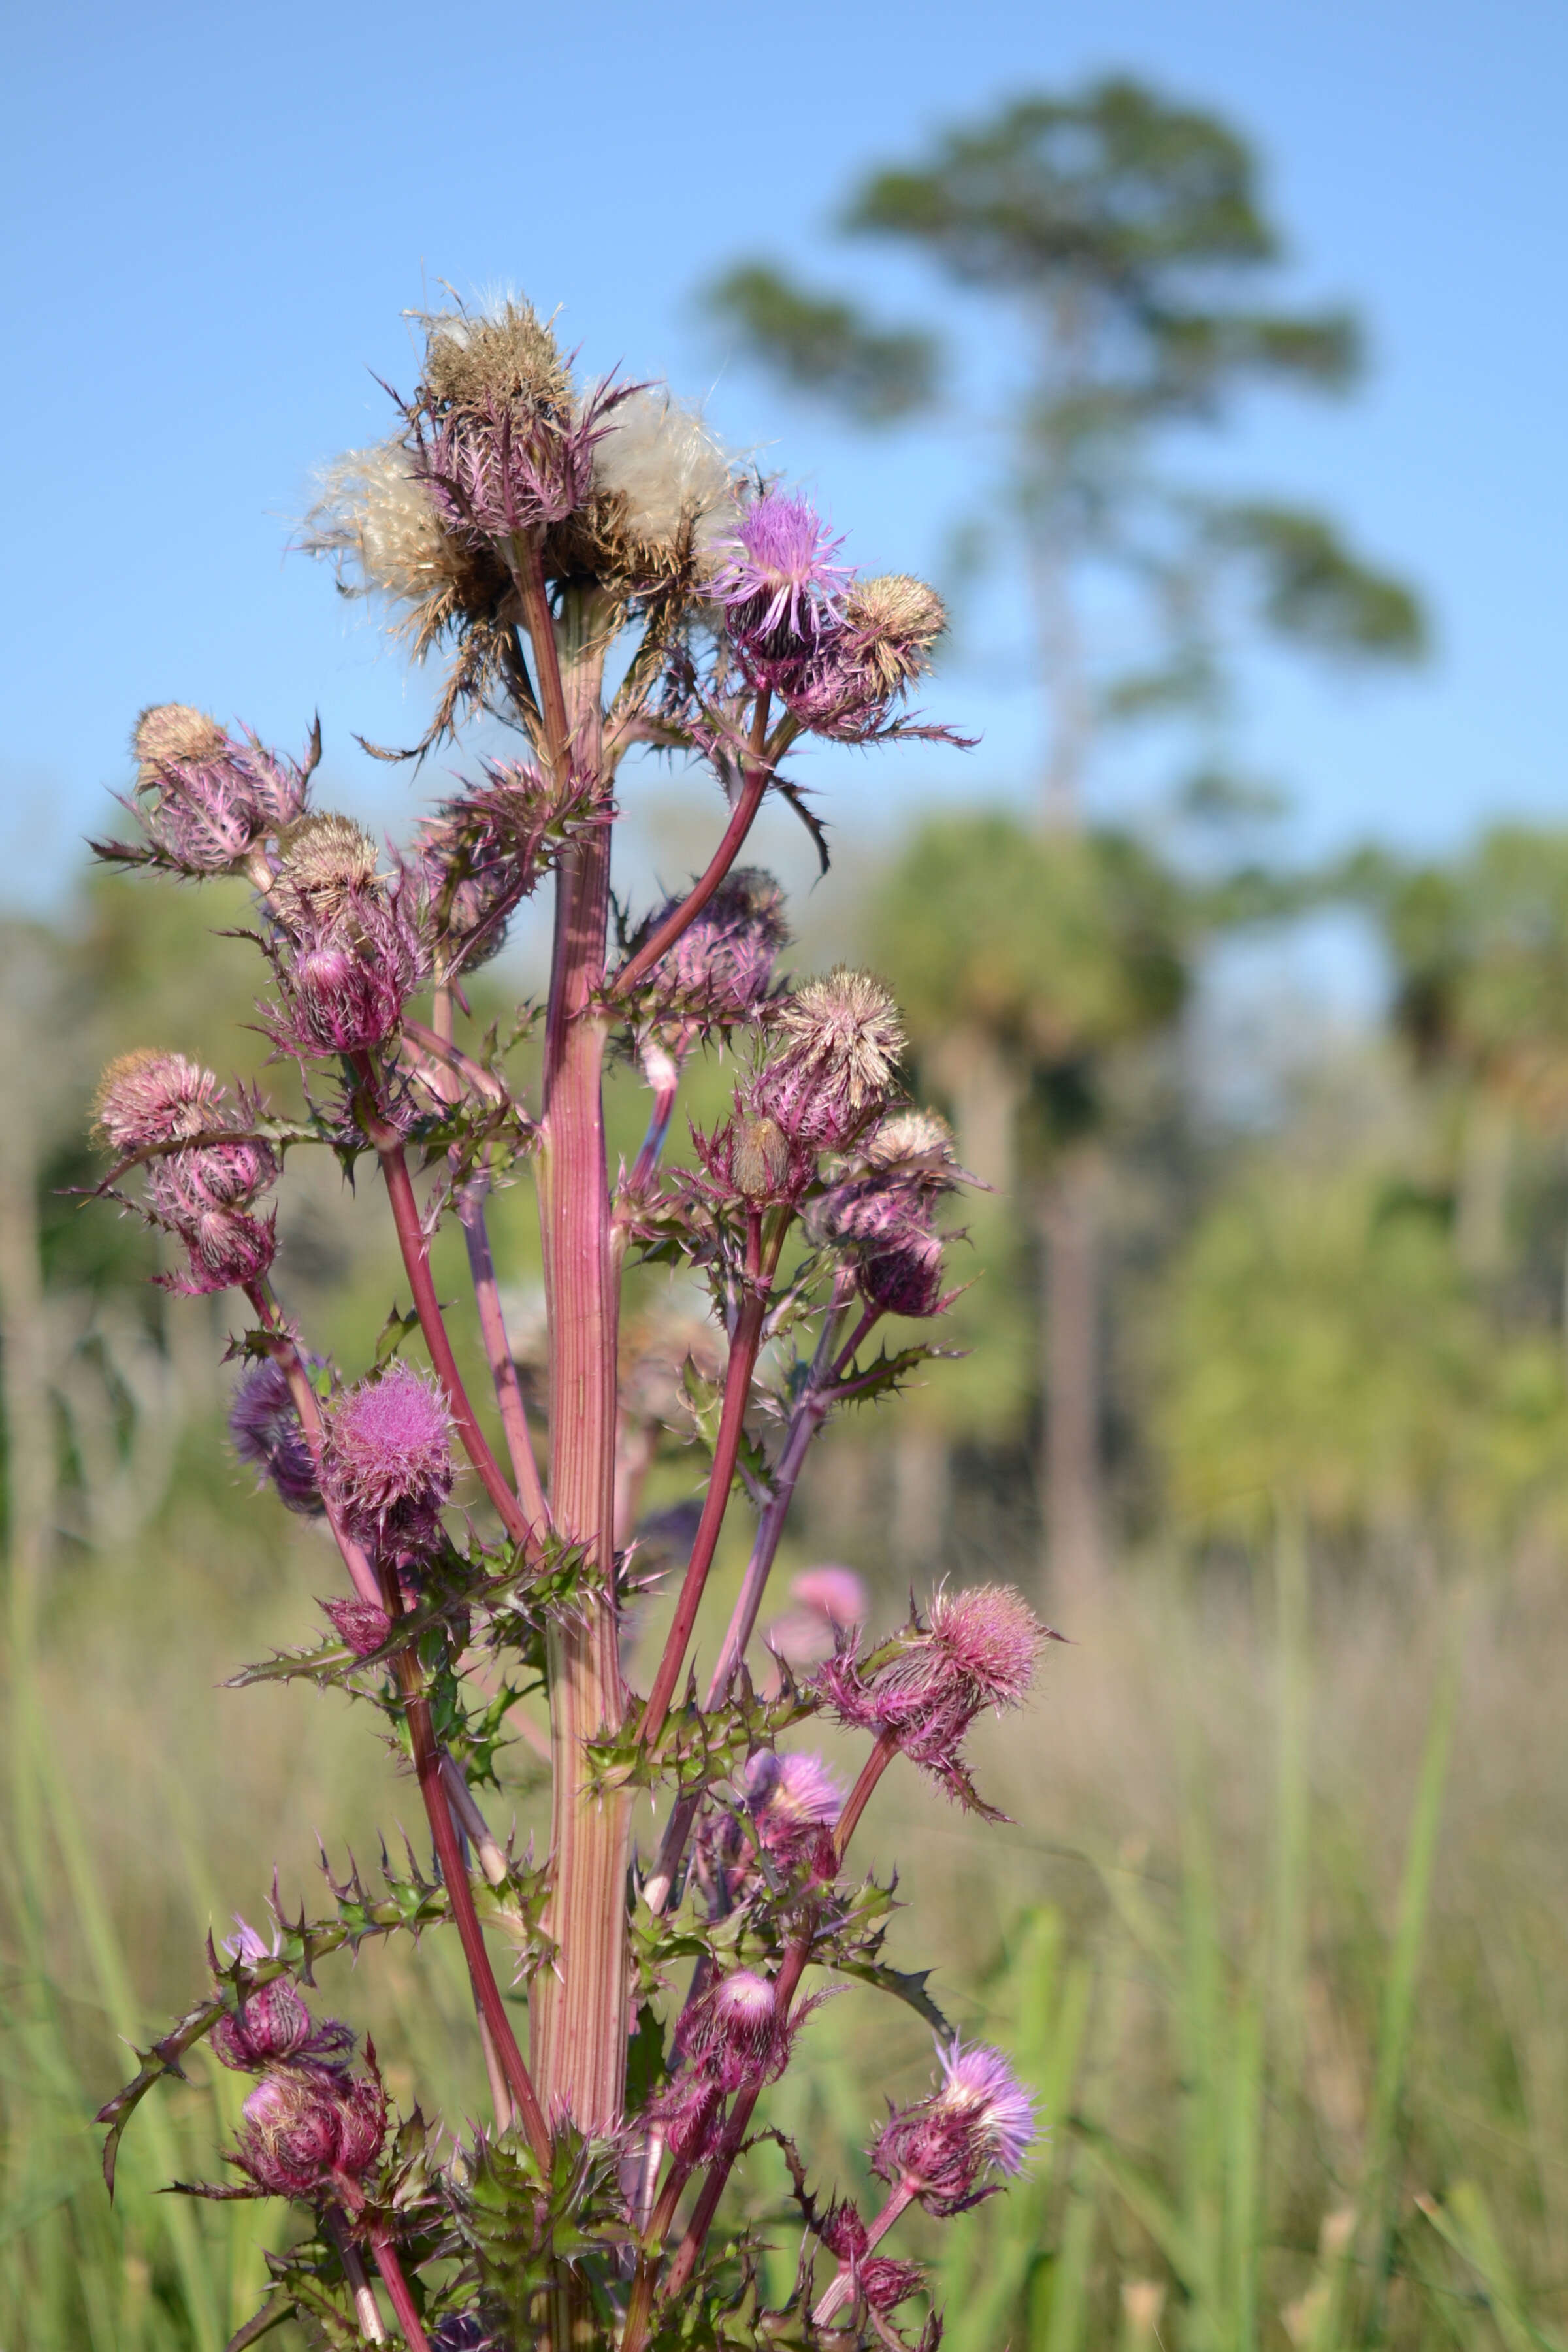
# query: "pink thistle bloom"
733,2033
387,1462
309,2132
264,1428
360,1623
981,2118
779,581
271,2024
206,800
794,1801
980,1650
147,1098
836,1593
185,1184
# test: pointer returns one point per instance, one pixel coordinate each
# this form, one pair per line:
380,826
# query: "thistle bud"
360,1624
310,2132
721,967
794,1803
687,2113
273,2024
979,2119
347,971
734,2031
387,1461
224,1250
264,1426
838,1045
760,1160
206,800
324,862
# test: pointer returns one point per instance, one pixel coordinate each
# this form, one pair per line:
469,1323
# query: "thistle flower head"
184,1185
915,1144
324,861
224,1250
147,1098
836,1048
980,1650
721,965
264,1426
508,354
206,800
793,1802
272,2024
387,1460
885,2284
309,2132
827,1601
346,974
981,2118
890,624
733,2033
778,583
375,517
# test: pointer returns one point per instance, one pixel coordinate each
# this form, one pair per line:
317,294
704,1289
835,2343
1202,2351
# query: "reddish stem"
396,2286
416,1251
528,573
454,1871
842,2286
742,1363
859,1796
503,1370
757,779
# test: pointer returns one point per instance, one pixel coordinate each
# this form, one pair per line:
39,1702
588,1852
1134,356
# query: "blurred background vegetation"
1263,1397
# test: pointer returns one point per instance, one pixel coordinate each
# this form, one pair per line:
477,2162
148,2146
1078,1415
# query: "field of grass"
1278,1935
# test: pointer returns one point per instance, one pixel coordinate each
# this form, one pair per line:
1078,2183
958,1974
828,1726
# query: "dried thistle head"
836,1047
374,516
173,733
890,624
665,494
507,355
323,861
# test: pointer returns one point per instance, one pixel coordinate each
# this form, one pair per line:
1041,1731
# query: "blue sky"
216,217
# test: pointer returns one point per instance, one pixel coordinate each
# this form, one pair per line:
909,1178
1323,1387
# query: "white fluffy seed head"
673,473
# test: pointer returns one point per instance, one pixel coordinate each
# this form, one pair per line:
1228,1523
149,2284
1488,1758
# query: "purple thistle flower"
264,1427
224,1250
272,2024
778,580
980,1650
733,2033
387,1461
826,1601
147,1098
793,1802
981,2118
309,2132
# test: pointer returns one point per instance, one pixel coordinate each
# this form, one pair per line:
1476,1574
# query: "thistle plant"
596,572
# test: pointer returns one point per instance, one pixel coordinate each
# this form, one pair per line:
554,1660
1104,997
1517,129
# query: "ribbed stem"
396,2286
578,2014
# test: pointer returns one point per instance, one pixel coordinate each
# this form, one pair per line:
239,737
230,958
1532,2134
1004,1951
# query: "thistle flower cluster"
882,1211
208,803
201,1185
546,530
312,2129
923,1689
